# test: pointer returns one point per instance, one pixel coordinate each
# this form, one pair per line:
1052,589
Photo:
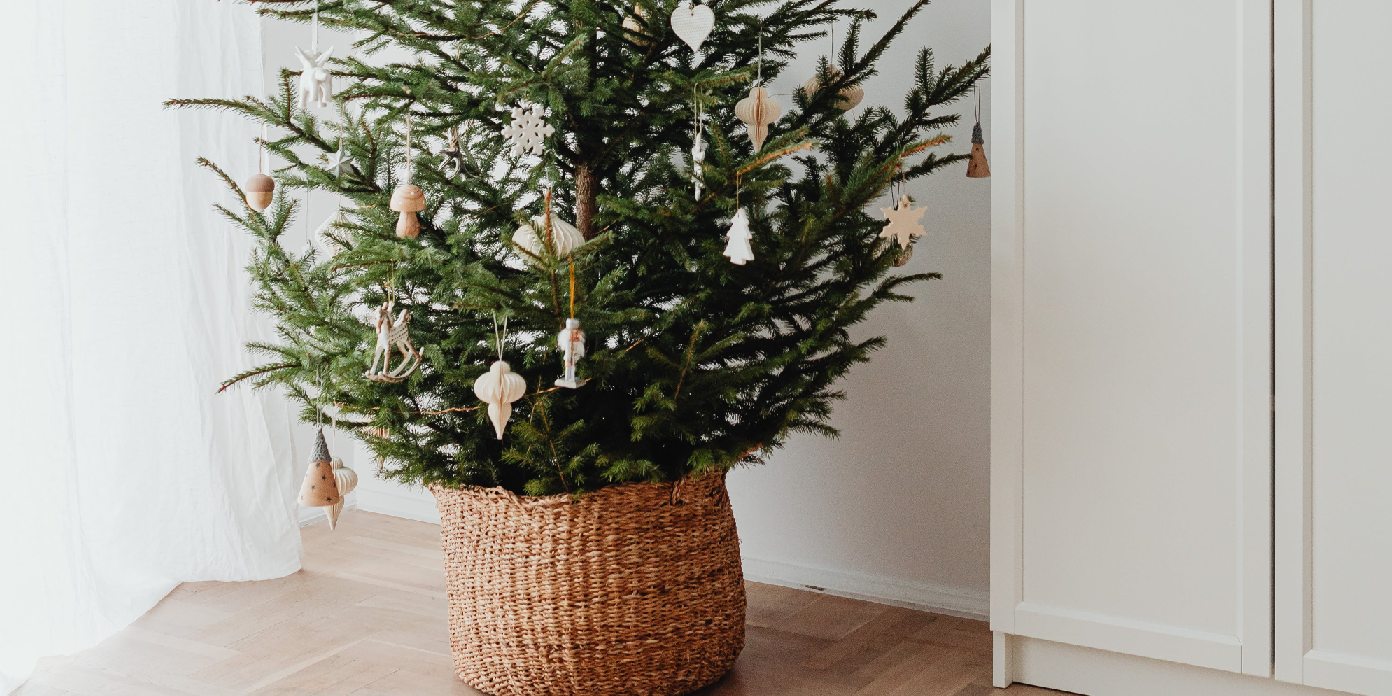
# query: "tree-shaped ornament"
408,198
393,335
739,235
528,130
316,82
259,188
903,222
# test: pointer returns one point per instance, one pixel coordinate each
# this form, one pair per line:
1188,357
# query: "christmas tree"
524,117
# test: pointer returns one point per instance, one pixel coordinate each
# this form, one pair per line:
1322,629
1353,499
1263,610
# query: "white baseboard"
922,596
419,505
409,503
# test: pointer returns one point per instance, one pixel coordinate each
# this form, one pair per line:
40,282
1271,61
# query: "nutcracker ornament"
571,341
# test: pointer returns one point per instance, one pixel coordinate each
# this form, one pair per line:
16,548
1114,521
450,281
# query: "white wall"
896,509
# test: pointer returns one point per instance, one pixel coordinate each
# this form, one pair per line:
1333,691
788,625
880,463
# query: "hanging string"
759,61
262,161
314,30
409,155
831,33
977,114
499,336
546,220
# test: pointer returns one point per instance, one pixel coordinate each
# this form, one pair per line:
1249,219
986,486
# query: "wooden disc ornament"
849,97
758,111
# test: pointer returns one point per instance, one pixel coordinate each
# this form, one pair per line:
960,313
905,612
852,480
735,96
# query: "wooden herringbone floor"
367,616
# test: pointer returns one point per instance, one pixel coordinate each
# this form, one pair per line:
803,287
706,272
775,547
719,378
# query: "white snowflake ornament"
903,222
528,130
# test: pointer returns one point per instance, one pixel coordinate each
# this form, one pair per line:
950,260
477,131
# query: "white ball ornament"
498,388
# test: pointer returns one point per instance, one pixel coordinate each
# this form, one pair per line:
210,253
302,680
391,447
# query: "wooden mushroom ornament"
327,481
408,199
758,111
498,388
849,97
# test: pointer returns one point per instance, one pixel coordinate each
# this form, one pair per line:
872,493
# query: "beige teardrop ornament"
758,111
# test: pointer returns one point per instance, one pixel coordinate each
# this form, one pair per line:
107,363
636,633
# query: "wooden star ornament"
902,222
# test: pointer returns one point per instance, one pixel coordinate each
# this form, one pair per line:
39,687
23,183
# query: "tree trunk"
586,193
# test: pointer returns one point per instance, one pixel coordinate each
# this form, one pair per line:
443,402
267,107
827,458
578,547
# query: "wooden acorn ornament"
758,111
260,189
849,97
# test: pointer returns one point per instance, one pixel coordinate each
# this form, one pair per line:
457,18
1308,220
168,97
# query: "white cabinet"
1334,344
1178,250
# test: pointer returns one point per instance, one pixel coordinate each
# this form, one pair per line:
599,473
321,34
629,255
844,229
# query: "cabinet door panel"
1133,255
1334,318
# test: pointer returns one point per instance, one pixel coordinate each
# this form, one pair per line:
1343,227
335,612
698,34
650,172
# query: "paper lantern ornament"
758,111
532,237
498,388
847,98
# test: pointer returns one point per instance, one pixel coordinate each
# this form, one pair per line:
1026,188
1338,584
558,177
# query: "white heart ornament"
693,23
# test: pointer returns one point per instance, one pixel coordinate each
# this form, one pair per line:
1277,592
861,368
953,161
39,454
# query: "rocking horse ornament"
392,335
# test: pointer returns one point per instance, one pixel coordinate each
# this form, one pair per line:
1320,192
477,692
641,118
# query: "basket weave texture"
633,589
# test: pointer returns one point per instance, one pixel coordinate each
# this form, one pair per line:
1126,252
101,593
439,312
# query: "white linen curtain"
122,473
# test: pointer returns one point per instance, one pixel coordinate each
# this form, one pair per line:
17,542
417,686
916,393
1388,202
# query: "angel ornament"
392,335
571,341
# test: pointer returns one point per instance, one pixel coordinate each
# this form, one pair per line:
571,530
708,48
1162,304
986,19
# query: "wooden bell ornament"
408,198
977,166
260,188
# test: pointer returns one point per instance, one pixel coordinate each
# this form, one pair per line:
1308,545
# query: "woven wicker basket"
633,589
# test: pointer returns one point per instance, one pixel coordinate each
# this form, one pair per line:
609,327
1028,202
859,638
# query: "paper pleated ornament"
498,388
758,111
692,23
531,237
346,479
848,98
739,234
